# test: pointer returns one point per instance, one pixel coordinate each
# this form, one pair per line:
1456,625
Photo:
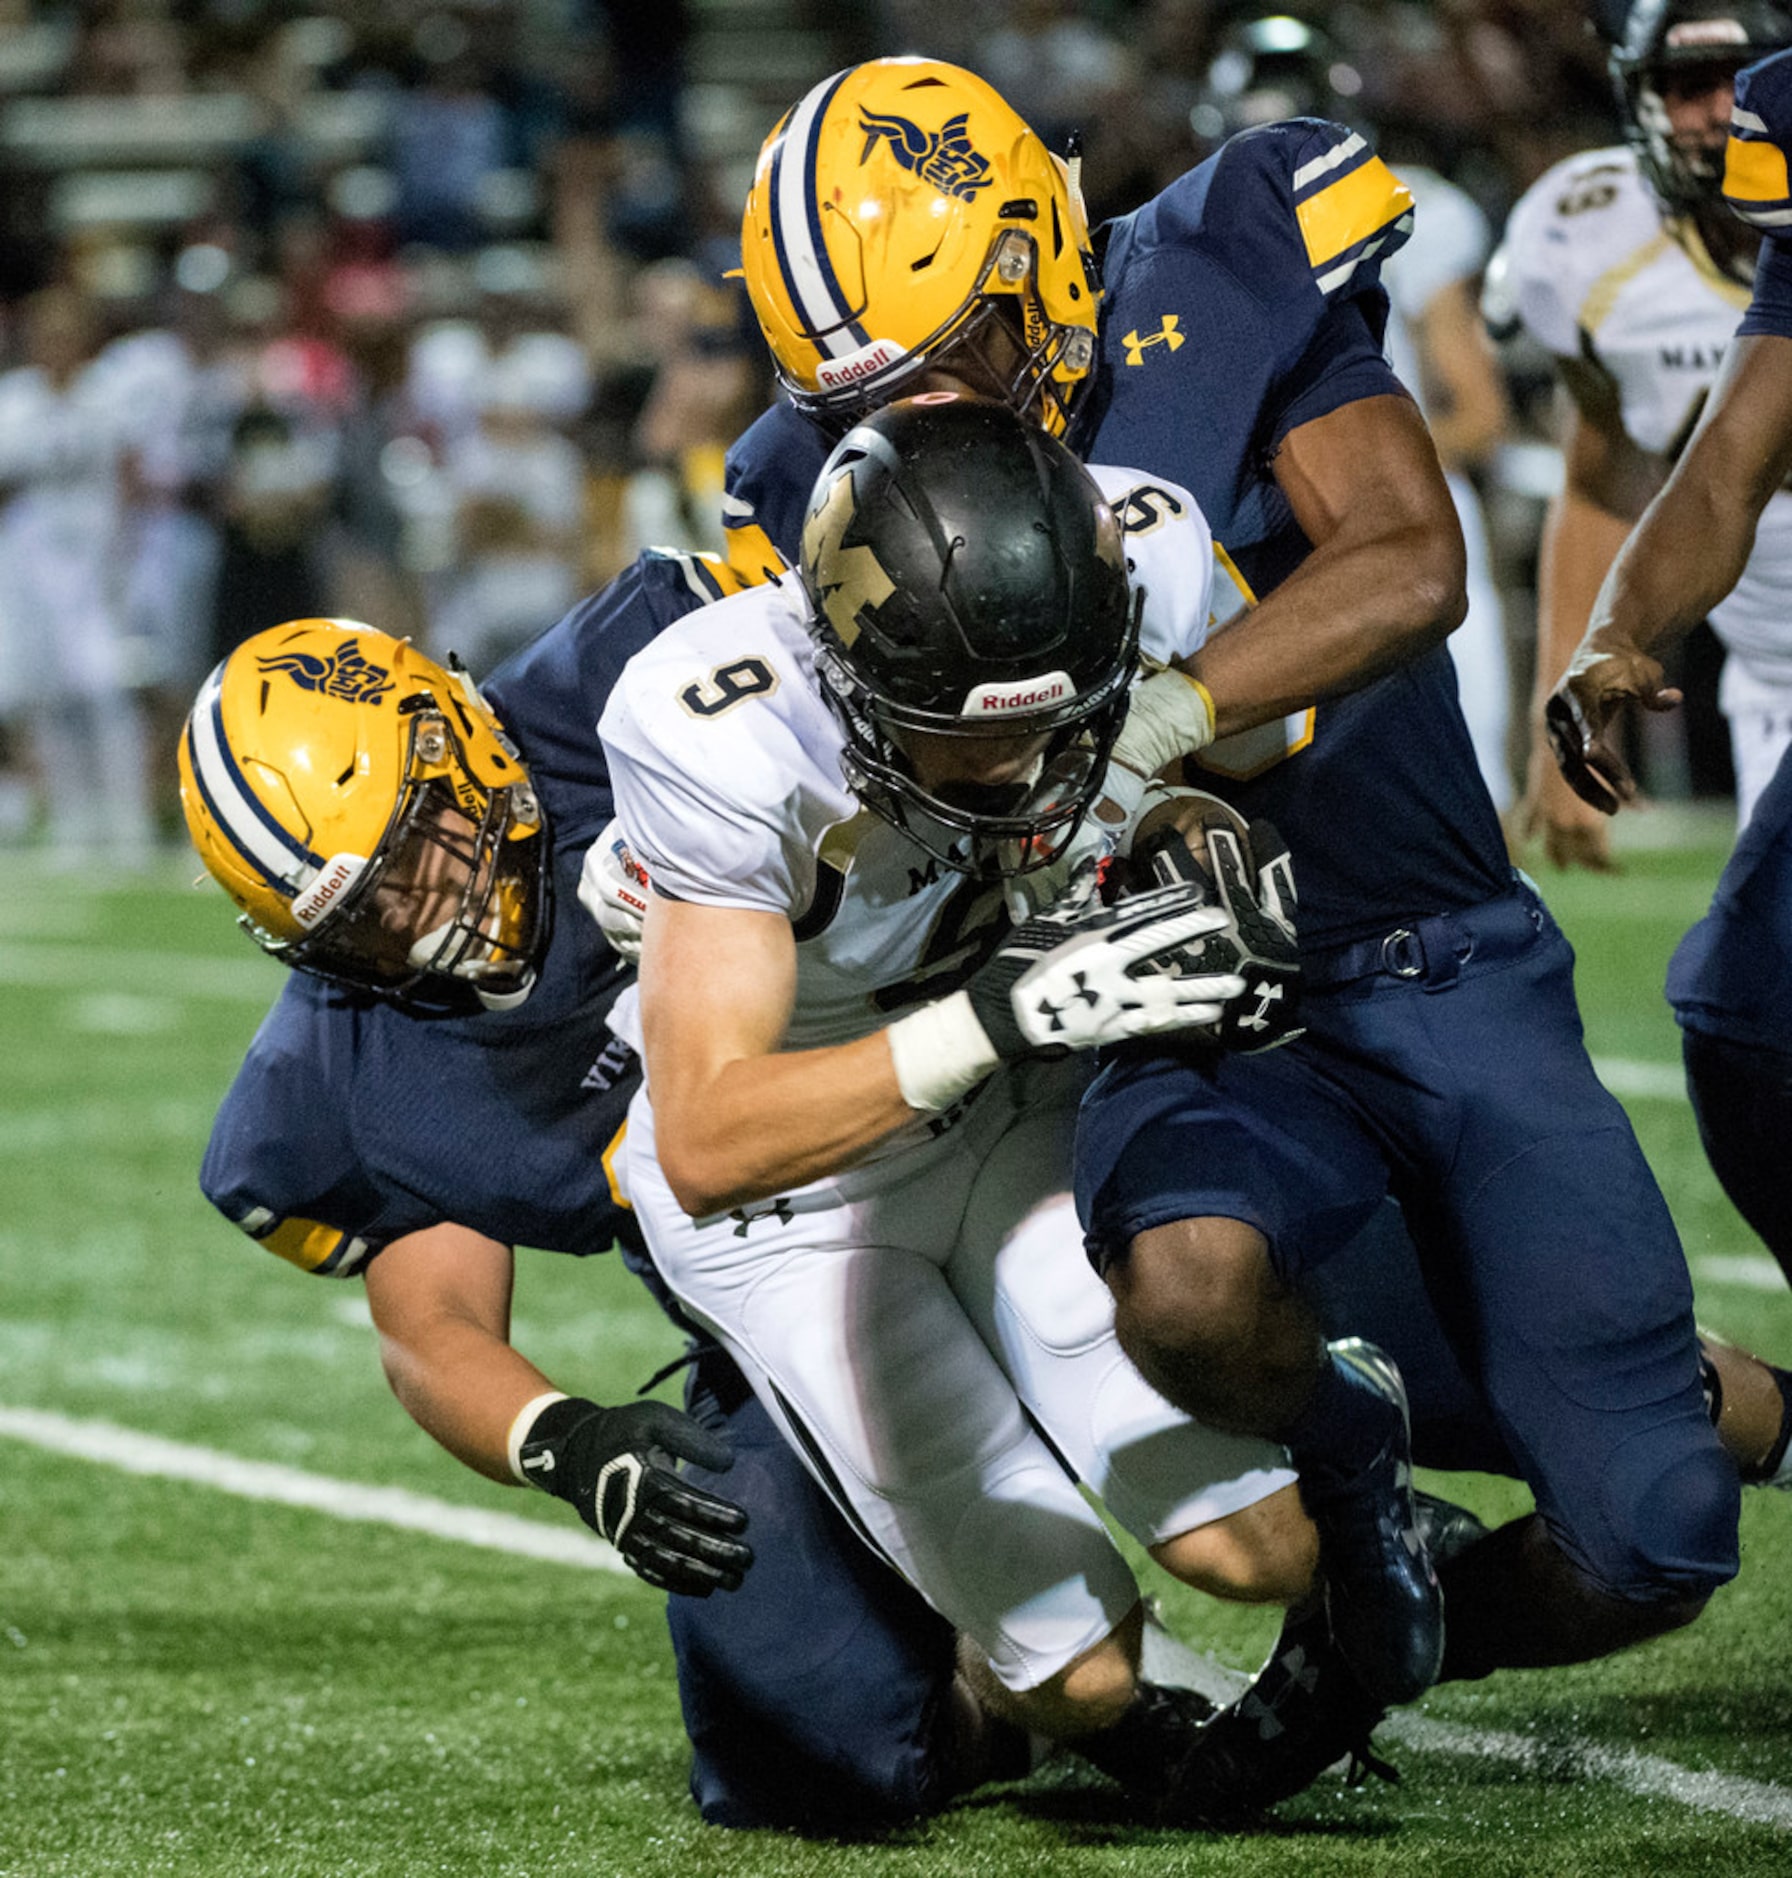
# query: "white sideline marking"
1756,1272
1627,1076
1646,1775
289,1486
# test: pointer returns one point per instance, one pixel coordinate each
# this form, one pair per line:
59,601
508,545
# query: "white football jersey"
726,766
1594,268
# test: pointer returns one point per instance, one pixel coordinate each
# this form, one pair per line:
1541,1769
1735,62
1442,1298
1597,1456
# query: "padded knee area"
1669,1520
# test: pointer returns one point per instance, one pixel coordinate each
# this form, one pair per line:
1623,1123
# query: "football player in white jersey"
852,1156
1624,265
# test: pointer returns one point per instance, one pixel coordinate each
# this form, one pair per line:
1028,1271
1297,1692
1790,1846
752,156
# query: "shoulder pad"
1756,184
771,468
1349,208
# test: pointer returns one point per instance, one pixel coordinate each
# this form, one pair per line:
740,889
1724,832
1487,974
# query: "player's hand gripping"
1076,976
1585,712
617,1467
1254,888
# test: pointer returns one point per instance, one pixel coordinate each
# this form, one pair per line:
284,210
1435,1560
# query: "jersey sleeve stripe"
322,1250
751,555
1756,185
1335,158
797,237
263,844
1365,206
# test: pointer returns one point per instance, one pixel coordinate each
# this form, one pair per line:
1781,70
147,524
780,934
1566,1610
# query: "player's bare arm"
1384,582
440,1300
1685,555
737,1121
1607,482
1470,413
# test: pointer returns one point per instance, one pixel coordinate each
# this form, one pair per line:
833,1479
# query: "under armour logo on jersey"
780,1209
943,158
1266,995
1166,335
345,674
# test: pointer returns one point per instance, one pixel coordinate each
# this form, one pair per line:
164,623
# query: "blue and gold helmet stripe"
797,239
280,858
1350,206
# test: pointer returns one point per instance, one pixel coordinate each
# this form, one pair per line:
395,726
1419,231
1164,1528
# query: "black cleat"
1446,1528
1304,1712
1147,1748
1387,1612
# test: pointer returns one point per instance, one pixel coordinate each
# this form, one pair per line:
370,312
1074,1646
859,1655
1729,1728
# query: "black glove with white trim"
616,1466
1251,879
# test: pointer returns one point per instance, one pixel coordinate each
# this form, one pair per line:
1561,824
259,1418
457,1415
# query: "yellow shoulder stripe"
1351,210
752,556
1755,172
306,1243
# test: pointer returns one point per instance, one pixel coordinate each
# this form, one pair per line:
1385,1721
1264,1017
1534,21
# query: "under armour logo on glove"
1254,886
618,1467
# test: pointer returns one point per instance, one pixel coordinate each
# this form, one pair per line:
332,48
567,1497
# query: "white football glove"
614,886
1072,978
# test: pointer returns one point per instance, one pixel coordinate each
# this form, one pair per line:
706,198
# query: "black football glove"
616,1466
1257,941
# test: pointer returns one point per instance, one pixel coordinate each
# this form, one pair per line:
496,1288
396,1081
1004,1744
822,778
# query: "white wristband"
520,1425
1167,717
939,1052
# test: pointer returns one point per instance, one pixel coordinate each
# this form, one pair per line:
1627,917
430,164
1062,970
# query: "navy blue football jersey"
351,1124
1241,302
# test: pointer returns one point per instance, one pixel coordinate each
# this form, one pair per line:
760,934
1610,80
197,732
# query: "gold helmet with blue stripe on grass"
902,211
364,809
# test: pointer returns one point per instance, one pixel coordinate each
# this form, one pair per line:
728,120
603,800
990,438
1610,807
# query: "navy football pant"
1444,1067
1742,1097
817,1695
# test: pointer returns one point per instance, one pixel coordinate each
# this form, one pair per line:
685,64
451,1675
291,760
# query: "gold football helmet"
902,210
365,810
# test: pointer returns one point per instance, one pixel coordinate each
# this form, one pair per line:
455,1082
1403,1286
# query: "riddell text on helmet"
831,374
1032,695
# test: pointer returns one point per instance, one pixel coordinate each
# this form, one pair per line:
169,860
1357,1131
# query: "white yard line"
138,1453
1646,1775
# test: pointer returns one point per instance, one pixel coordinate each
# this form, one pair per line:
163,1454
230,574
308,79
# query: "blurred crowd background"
415,311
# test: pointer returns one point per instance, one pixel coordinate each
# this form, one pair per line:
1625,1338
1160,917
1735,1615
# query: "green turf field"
195,1681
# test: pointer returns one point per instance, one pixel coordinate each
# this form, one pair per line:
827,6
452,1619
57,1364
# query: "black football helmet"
1659,36
967,580
1271,68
